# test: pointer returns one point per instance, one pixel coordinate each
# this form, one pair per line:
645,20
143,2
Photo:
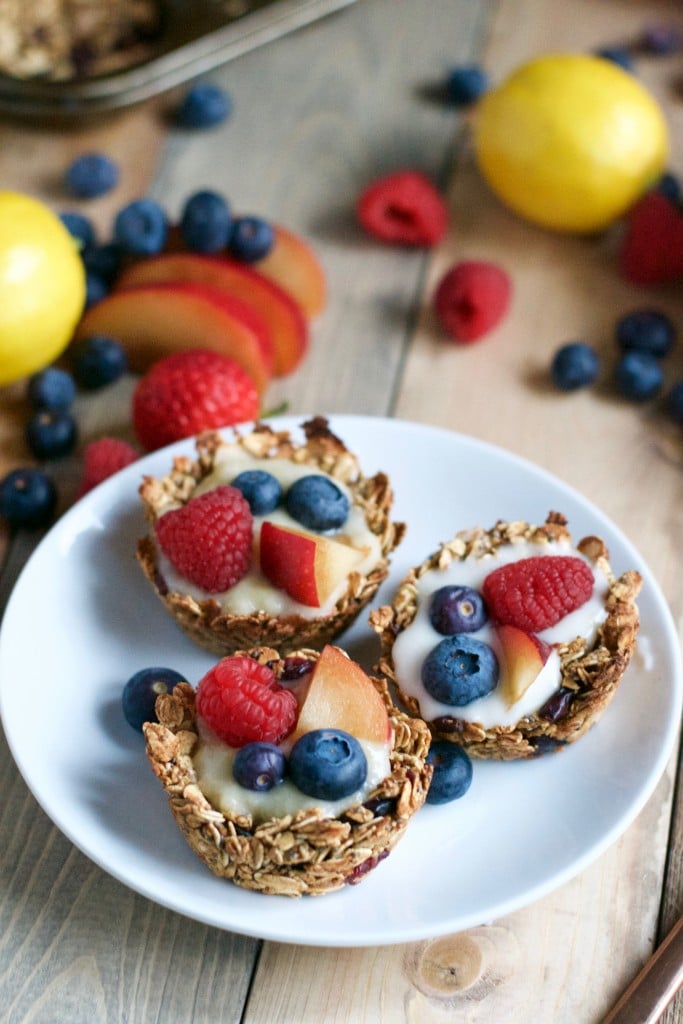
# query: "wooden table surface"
316,115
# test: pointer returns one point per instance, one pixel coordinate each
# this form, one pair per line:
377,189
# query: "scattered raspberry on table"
190,391
404,209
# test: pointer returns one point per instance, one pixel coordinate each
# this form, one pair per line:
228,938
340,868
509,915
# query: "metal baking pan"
195,37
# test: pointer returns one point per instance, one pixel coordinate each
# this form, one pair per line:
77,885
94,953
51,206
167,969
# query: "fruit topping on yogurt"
317,736
483,645
282,540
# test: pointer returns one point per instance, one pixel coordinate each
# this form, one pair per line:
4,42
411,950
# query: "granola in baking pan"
73,39
510,641
303,544
289,776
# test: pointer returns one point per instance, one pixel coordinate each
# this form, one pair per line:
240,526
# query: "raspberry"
472,298
242,702
103,458
652,248
403,208
535,593
209,539
188,392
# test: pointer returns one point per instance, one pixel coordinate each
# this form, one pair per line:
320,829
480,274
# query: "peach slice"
523,657
283,317
340,696
152,321
293,265
307,567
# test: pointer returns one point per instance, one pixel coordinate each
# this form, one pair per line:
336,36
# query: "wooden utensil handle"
651,991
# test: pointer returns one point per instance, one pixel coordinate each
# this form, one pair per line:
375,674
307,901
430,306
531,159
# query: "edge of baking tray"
163,72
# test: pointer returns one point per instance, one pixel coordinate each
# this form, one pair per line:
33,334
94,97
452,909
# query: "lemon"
570,141
42,286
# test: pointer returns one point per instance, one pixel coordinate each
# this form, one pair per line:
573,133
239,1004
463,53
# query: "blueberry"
205,222
203,106
262,490
317,503
452,772
98,360
638,376
327,764
662,39
618,55
141,691
141,227
457,610
259,766
91,175
459,670
669,186
674,402
466,84
79,227
51,389
646,330
96,289
251,239
574,365
103,260
28,498
51,433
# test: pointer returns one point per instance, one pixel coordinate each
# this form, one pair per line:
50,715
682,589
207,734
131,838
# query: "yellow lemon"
42,286
570,141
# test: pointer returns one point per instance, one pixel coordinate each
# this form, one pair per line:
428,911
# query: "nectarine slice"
340,696
524,656
152,321
283,317
307,567
296,268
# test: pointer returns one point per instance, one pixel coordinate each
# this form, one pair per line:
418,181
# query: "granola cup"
589,672
223,632
298,854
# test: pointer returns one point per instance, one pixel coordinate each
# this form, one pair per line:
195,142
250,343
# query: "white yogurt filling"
213,764
414,643
255,592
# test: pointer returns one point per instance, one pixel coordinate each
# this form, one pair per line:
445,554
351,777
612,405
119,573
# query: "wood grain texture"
315,117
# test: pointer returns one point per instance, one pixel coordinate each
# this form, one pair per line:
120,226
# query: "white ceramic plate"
522,829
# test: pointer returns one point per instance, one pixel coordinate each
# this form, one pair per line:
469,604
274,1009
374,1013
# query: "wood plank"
596,931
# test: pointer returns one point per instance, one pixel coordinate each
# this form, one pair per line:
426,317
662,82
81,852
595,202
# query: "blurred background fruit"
570,141
42,286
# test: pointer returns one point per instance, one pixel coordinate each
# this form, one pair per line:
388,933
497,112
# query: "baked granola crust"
590,674
298,854
222,632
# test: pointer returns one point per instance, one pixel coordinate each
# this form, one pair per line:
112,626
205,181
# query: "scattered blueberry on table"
79,227
51,434
574,365
206,222
204,105
646,330
638,376
141,227
51,388
465,84
98,360
28,498
251,239
91,175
